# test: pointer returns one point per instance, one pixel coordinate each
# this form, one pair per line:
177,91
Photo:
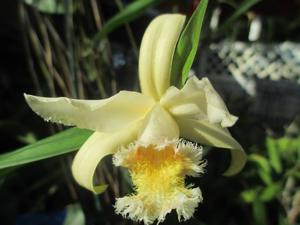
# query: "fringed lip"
158,174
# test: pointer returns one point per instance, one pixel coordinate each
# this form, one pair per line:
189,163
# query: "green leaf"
294,144
259,213
249,195
240,10
283,144
264,168
270,192
187,46
28,138
131,12
274,155
261,161
61,143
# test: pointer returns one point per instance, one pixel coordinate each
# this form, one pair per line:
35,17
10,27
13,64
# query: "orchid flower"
146,132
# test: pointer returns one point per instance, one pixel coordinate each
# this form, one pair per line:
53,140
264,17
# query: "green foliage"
274,180
187,46
264,170
58,144
130,13
259,212
274,155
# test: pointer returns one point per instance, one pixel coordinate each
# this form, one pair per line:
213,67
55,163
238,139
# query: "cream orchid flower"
143,130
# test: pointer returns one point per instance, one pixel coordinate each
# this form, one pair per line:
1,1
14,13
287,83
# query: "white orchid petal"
156,53
96,148
189,101
216,109
205,132
188,109
203,96
107,115
158,126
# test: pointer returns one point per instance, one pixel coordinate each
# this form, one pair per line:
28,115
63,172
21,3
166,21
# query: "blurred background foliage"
89,49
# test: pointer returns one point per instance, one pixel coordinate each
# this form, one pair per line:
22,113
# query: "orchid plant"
150,133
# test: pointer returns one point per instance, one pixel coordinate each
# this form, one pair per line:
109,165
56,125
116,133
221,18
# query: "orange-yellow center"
156,171
158,174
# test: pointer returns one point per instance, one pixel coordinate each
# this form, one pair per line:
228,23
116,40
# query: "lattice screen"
251,61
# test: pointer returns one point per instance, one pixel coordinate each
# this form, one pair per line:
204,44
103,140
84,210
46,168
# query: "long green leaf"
270,192
259,212
187,46
61,143
131,12
274,155
264,167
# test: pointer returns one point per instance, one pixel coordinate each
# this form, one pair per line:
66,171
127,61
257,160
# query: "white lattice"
246,61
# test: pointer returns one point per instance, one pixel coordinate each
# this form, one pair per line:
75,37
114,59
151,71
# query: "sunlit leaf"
283,144
249,195
61,143
187,46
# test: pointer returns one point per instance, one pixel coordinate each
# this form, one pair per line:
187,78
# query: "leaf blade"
187,46
61,143
274,155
